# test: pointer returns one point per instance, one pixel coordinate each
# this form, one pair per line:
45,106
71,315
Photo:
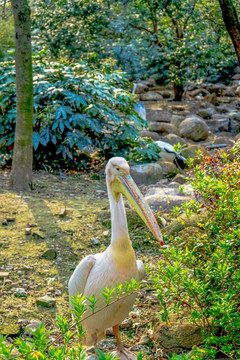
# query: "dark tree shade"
21,174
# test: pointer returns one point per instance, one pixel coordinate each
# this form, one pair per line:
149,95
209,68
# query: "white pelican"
117,263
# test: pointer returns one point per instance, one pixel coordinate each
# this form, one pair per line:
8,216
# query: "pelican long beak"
133,194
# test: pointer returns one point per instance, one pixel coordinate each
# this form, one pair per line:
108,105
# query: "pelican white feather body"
117,264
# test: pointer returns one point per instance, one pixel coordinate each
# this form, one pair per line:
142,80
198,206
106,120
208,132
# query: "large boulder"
174,139
194,128
178,333
168,168
162,127
146,173
141,88
157,114
151,96
152,134
190,151
165,198
206,113
176,120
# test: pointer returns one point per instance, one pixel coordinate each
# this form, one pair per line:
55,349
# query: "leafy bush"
41,346
77,111
203,273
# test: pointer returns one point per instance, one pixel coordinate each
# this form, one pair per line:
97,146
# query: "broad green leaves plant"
77,111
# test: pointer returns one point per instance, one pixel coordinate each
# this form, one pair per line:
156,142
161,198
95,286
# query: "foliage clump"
203,273
77,110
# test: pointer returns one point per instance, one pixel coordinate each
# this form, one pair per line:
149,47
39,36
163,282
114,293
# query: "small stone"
20,292
46,301
22,322
9,330
63,213
50,254
95,241
28,231
10,219
31,327
58,292
109,332
144,340
126,324
3,274
38,234
106,233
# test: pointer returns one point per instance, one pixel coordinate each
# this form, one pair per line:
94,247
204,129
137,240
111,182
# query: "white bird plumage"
117,264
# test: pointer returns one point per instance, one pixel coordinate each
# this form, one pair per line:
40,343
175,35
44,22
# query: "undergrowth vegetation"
77,111
202,274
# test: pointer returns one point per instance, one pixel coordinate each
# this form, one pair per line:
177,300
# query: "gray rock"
180,179
95,241
153,135
126,324
10,219
140,88
4,274
28,231
20,292
168,167
194,128
146,173
174,139
190,151
236,77
176,120
164,199
156,114
166,94
206,113
50,254
46,301
162,127
217,125
10,330
144,339
183,222
178,333
151,96
218,89
63,213
32,327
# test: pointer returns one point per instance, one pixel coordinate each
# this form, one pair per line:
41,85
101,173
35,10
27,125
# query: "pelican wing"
80,275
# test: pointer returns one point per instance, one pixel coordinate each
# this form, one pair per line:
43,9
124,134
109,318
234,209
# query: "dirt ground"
71,237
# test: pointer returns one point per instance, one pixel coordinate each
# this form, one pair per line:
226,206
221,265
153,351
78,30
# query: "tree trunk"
178,91
21,173
232,24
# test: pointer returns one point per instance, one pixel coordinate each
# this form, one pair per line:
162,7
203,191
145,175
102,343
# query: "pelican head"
120,182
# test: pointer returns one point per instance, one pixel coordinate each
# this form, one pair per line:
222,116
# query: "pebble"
46,301
10,219
4,274
144,340
106,233
20,292
63,213
126,324
95,241
28,231
49,254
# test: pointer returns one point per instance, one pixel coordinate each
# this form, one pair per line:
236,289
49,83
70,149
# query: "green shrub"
203,273
77,111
